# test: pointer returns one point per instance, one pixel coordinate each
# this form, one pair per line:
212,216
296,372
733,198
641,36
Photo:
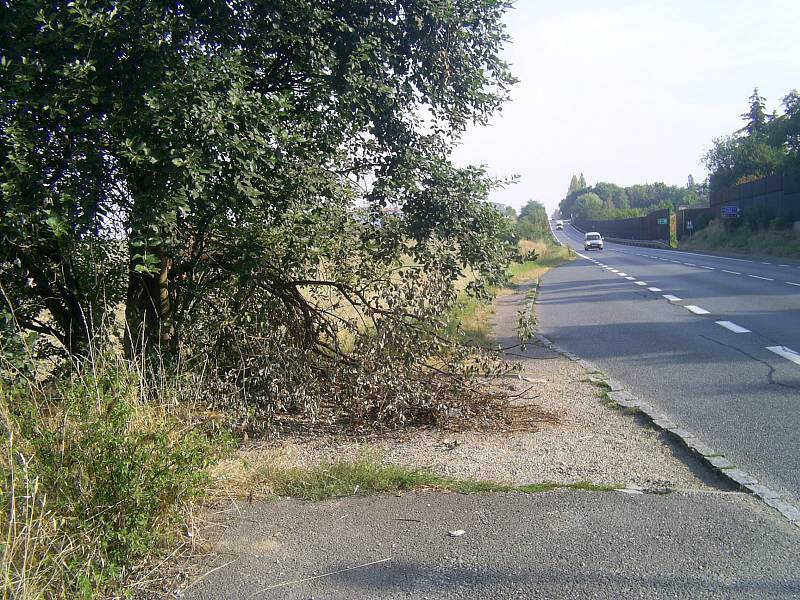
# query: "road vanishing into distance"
713,342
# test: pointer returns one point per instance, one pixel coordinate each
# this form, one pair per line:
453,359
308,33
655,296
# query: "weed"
366,475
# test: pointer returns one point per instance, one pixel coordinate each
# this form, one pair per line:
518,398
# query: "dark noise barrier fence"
777,194
656,226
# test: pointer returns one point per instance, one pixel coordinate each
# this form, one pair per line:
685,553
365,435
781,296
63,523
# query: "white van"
592,239
559,224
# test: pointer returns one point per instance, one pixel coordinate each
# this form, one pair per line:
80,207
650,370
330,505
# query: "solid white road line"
759,277
640,283
731,272
695,309
672,298
654,289
732,327
786,353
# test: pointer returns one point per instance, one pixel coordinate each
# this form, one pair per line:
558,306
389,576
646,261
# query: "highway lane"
726,372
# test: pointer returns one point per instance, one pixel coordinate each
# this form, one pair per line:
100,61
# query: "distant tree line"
610,201
768,144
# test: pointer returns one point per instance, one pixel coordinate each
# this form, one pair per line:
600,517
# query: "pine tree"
756,117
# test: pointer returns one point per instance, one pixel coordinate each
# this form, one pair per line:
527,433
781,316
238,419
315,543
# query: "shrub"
758,218
95,470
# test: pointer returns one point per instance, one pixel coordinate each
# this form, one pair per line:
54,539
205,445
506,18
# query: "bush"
93,478
758,218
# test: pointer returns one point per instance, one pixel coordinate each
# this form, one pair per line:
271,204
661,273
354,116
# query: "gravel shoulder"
593,440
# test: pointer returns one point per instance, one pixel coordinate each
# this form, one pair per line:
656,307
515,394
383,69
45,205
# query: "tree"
195,160
582,182
756,116
589,207
533,223
765,146
574,186
202,163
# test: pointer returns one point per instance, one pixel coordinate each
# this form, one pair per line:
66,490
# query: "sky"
629,91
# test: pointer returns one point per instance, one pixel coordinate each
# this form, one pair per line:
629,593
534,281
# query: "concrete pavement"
562,544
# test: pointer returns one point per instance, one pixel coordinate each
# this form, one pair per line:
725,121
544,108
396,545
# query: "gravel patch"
594,440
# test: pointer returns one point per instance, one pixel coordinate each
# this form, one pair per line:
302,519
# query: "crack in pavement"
771,369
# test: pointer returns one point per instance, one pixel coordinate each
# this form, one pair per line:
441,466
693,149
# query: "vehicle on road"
592,239
559,224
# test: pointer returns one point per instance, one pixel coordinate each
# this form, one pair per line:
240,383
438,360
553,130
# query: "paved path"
565,544
720,359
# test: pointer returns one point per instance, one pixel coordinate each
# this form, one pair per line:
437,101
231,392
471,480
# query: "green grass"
764,242
368,476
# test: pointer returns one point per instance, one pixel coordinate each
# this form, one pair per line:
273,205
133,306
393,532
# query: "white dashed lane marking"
792,283
786,353
759,277
640,283
731,272
695,309
732,327
621,274
629,278
654,289
672,298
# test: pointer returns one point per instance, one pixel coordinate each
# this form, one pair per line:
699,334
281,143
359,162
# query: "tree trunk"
149,315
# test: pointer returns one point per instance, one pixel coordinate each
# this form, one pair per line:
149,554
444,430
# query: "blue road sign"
729,212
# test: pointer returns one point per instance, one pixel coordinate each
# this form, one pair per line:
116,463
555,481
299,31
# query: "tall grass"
96,468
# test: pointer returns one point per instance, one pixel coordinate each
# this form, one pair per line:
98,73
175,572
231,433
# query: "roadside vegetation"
368,475
771,240
216,228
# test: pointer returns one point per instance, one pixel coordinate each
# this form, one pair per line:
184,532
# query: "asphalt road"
565,544
729,372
